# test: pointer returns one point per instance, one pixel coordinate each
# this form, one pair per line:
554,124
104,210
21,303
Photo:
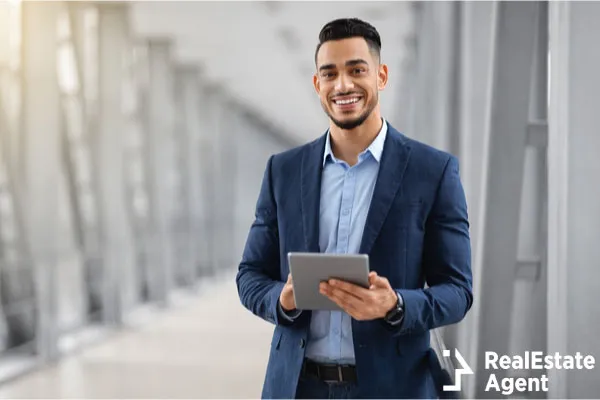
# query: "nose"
343,84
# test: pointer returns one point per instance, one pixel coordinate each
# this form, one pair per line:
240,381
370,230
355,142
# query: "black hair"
345,28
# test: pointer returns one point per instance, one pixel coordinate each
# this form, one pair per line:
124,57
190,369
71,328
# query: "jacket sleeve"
446,262
259,279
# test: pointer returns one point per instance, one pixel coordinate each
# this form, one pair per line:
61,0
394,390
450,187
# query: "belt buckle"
340,375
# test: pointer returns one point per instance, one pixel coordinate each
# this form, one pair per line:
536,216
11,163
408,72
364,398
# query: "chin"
349,121
348,124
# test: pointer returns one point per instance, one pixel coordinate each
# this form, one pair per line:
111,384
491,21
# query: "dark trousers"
313,388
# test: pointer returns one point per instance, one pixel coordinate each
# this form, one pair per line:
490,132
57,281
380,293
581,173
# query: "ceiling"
262,52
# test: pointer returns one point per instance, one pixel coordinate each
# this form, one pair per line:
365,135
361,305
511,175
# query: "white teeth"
349,101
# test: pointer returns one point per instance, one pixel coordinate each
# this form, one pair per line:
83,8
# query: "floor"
211,347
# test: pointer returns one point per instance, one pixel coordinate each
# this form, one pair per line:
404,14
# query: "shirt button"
346,212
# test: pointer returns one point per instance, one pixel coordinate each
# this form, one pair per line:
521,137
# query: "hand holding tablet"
308,270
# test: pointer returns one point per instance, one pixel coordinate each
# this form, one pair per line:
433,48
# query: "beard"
358,121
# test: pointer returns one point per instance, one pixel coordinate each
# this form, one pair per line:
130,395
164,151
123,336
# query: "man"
362,187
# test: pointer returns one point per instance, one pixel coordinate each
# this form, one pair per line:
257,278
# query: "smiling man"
362,187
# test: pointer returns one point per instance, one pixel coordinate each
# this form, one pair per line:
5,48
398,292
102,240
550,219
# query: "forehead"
339,51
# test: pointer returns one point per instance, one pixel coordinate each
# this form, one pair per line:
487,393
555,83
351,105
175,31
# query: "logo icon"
458,372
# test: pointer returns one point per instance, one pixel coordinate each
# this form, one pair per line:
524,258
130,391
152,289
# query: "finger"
372,277
342,301
350,288
326,289
343,298
381,282
289,278
352,306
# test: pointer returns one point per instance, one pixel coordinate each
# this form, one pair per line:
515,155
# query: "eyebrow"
349,63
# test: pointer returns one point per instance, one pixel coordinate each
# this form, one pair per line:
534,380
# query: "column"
160,126
574,195
474,76
504,159
83,171
228,144
475,60
207,177
528,322
433,115
41,132
10,63
215,139
117,247
189,103
17,325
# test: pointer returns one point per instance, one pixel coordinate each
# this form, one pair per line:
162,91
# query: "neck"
347,144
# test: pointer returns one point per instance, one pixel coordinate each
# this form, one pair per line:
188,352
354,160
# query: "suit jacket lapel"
391,170
310,192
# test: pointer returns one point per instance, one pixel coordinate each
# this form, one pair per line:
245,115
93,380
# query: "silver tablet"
309,269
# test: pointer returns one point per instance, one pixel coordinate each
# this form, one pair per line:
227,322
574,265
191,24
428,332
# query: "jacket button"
302,343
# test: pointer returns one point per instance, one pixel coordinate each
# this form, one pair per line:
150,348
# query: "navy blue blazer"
416,232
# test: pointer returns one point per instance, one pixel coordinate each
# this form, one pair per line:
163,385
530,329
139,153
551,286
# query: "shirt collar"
375,148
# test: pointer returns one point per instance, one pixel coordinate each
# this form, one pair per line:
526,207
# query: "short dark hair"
345,28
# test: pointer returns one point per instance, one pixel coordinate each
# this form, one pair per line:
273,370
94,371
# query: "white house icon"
459,372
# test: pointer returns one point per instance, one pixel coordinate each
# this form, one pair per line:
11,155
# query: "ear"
316,83
382,76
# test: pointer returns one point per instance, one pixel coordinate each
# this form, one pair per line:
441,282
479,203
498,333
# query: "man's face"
348,81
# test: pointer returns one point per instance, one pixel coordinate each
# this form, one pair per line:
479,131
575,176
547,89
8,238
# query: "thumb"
289,279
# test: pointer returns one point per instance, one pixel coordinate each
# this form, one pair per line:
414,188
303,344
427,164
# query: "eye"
328,74
358,70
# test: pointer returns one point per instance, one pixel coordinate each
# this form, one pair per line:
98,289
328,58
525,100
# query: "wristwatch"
394,316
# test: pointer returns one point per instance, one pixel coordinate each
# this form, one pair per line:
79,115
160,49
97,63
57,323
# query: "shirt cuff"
288,315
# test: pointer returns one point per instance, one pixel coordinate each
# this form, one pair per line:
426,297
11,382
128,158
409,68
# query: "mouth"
347,102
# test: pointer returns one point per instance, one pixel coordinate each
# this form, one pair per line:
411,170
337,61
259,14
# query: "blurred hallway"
192,351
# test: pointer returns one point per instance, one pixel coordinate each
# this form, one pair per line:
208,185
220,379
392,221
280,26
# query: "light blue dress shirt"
346,194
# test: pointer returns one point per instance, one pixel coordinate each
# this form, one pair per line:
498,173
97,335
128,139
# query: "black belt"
329,372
